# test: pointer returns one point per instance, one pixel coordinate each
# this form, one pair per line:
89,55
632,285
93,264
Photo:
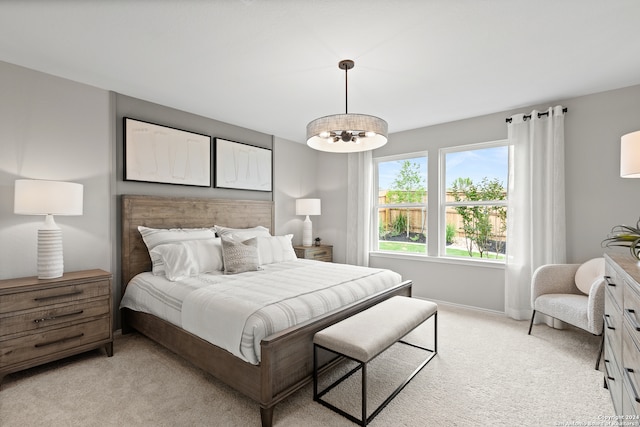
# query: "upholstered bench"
366,335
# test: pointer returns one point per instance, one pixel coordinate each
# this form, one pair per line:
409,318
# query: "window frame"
442,194
375,206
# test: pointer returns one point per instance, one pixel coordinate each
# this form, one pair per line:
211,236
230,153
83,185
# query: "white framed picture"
242,166
156,153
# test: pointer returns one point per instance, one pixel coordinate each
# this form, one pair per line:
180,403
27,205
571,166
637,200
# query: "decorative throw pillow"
589,273
276,249
242,234
190,258
239,256
159,236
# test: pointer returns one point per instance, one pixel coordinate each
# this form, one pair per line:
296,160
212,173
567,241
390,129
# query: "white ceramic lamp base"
50,262
307,232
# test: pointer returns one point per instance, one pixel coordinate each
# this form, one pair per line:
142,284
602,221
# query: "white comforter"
236,312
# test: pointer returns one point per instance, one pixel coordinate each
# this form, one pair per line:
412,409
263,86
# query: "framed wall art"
155,153
242,166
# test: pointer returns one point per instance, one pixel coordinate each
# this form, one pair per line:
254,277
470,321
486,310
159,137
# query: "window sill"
485,263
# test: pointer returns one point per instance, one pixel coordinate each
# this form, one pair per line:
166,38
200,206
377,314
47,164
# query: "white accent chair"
572,293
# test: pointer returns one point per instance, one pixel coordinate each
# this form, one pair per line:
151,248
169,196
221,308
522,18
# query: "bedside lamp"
39,197
630,155
307,207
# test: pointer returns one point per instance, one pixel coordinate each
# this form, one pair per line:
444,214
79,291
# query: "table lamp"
307,207
41,197
630,155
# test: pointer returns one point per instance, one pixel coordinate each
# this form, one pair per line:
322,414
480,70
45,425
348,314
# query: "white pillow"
589,273
242,234
276,249
190,258
238,256
159,236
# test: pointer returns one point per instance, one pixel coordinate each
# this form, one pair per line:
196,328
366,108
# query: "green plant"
399,224
382,230
450,233
625,235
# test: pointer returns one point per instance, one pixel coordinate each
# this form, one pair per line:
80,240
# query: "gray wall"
296,175
55,129
596,197
52,128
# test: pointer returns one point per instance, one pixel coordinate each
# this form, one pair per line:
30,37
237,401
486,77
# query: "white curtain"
359,190
536,213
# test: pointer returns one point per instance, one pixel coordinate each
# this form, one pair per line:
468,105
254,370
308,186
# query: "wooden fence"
417,217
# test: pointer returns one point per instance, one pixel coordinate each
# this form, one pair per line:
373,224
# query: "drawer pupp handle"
606,322
44,344
70,294
606,370
59,316
609,282
632,319
627,372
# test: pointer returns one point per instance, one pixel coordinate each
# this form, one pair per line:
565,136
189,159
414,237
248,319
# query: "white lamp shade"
630,155
308,207
41,197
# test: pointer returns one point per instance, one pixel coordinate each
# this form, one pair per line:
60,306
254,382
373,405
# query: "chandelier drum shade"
347,133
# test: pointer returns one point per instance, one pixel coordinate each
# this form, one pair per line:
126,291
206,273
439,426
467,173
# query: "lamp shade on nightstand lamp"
49,198
630,155
307,207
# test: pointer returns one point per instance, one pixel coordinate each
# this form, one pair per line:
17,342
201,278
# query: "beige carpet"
488,372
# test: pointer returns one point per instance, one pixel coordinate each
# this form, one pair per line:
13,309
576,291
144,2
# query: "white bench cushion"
366,334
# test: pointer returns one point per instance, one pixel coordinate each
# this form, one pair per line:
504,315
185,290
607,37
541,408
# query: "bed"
286,356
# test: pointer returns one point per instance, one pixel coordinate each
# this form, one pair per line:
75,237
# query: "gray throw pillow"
239,257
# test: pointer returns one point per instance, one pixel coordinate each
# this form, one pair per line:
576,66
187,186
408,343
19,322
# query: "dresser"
42,320
622,334
319,253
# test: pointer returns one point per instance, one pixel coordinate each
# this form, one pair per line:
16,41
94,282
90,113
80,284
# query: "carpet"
488,372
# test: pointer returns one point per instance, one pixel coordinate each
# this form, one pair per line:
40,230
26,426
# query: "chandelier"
346,133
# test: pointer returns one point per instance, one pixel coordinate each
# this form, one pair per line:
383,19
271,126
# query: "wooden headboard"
175,212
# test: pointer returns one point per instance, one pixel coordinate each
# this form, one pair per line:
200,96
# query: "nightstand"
48,319
319,253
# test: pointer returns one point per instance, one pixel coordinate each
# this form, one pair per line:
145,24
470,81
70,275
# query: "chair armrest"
595,309
554,279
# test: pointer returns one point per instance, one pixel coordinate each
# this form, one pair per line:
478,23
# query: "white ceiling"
272,65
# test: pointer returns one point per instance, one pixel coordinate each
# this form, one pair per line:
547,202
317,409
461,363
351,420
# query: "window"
474,201
400,203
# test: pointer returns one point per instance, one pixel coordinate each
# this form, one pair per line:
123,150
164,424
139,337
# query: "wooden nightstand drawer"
61,294
27,321
42,320
53,341
319,253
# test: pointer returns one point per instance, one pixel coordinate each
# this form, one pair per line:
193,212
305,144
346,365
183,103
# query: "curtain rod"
528,116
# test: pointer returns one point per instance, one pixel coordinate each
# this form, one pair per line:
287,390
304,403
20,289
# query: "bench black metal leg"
364,395
317,396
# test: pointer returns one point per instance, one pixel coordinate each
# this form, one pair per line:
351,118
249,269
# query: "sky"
475,164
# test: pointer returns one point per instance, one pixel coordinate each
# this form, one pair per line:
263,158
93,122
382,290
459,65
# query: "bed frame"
286,357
